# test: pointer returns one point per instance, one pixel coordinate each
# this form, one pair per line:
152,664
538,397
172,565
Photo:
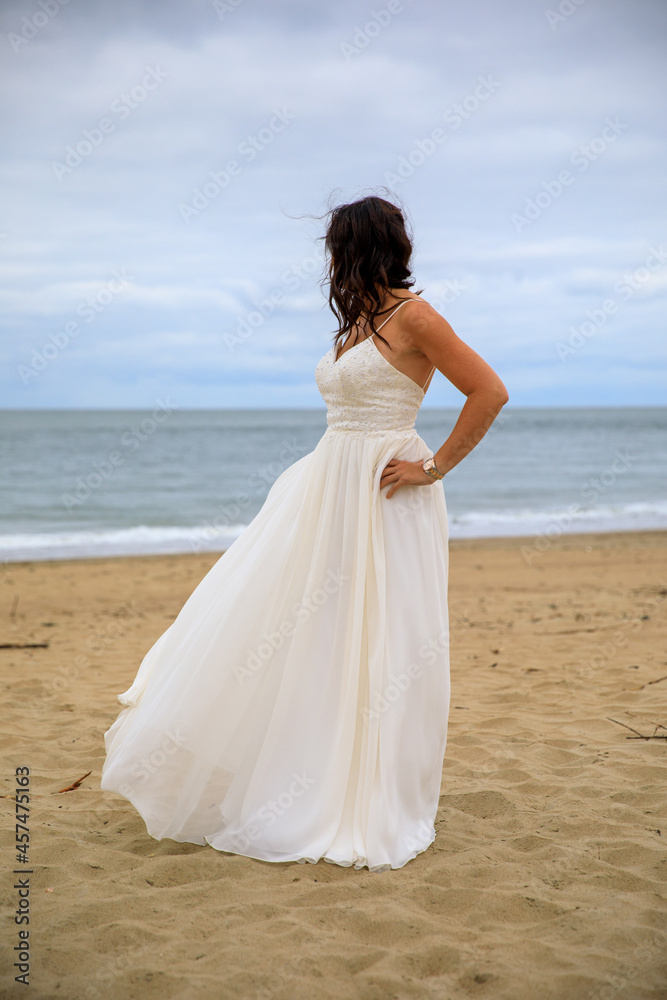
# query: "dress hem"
357,862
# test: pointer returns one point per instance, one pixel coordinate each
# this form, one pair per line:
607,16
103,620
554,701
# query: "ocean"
82,483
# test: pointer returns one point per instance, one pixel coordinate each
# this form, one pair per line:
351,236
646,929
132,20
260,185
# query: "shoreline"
539,542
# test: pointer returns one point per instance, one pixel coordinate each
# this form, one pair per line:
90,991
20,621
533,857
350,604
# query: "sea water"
101,482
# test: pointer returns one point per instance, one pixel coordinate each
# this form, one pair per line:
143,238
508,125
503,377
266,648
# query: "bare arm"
425,331
486,394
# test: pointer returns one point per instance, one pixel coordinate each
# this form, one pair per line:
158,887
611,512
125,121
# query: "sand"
547,876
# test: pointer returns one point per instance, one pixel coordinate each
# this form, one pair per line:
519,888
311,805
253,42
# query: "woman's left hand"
399,473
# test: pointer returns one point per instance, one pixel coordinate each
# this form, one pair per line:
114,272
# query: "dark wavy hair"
368,250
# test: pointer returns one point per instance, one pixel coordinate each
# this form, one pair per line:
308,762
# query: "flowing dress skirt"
297,707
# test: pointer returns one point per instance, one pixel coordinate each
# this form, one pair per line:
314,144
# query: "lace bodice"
365,392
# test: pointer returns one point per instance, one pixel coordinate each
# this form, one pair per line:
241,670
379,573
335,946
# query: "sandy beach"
548,873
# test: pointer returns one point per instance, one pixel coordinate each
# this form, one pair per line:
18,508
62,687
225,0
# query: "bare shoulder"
423,325
425,331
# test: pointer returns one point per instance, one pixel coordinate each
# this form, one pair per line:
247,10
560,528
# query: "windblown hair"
368,250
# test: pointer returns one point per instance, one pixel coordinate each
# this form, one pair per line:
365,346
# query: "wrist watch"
430,469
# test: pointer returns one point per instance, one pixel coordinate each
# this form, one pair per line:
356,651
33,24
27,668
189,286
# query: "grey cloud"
360,121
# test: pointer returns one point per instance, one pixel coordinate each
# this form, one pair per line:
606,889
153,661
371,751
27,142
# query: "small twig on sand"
658,725
24,645
639,736
75,784
640,686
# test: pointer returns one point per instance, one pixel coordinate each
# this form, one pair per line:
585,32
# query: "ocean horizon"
83,483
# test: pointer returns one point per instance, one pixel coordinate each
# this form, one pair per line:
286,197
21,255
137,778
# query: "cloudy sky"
166,164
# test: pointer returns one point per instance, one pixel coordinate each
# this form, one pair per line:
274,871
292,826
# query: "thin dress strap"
423,388
390,315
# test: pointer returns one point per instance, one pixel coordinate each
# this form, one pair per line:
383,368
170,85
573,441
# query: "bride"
297,707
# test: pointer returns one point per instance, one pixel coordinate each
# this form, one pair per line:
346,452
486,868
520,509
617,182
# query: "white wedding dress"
297,707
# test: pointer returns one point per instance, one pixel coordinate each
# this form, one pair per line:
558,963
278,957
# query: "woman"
297,707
